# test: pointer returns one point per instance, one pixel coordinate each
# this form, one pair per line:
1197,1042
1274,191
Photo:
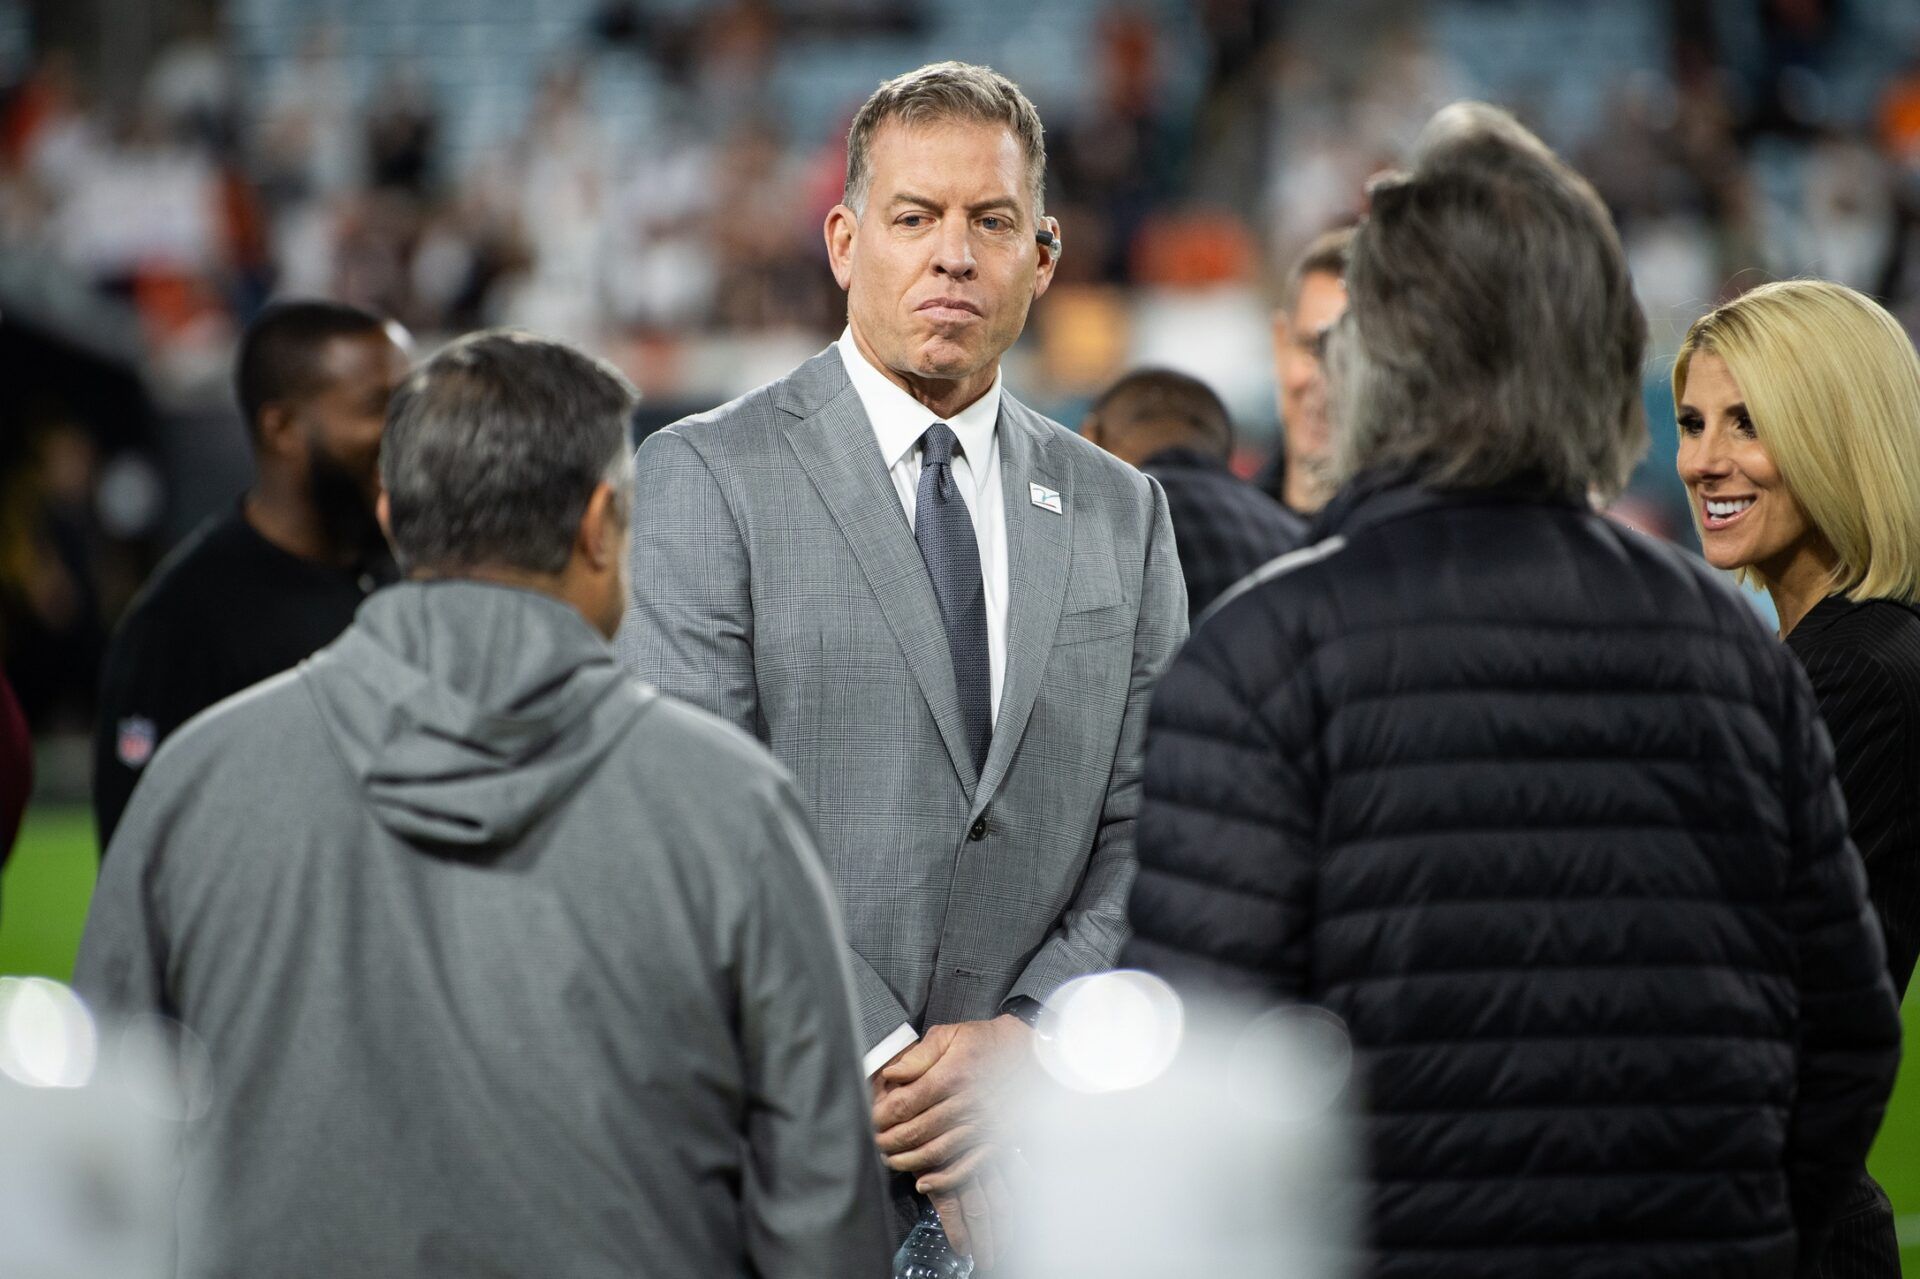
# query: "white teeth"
1723,509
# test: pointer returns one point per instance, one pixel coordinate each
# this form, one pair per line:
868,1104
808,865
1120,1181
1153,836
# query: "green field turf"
43,902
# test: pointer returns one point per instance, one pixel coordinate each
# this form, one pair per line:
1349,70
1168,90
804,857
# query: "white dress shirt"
899,421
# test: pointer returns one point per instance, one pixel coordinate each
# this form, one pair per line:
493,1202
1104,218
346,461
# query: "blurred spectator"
1175,429
262,586
510,964
49,597
1314,297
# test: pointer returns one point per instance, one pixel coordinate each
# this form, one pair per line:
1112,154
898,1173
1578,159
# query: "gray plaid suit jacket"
777,584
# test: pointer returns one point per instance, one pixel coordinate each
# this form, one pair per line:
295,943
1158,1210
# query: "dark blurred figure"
510,965
1528,800
16,767
50,556
253,591
1175,429
1314,297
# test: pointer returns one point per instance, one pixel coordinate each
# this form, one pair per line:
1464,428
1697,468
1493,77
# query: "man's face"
342,422
942,265
1299,341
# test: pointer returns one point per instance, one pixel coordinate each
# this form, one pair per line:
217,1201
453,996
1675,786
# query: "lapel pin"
1045,498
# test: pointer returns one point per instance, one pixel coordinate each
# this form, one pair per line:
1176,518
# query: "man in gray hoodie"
504,963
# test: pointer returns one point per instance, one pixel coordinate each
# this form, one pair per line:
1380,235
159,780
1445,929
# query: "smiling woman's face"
1746,515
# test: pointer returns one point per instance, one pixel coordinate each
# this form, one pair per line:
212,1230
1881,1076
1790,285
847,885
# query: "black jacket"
1224,527
1863,659
1864,662
1534,805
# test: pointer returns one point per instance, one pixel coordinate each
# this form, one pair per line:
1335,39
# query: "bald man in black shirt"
257,589
1175,428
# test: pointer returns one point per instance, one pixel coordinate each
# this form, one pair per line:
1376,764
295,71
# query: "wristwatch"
1026,1008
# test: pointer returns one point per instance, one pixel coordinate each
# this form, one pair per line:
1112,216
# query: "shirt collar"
899,420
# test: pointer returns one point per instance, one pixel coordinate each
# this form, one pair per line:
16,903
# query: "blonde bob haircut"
1832,384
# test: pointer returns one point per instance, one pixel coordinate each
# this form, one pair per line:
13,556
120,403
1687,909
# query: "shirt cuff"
887,1049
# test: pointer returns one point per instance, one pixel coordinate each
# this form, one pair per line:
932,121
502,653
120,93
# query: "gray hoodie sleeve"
815,1199
122,964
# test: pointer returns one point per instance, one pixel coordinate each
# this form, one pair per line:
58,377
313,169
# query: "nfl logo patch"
136,741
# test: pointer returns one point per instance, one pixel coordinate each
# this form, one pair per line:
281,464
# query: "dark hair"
1327,255
1491,335
279,358
493,449
946,91
1164,397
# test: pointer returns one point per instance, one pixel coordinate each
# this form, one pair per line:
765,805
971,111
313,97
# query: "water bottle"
926,1254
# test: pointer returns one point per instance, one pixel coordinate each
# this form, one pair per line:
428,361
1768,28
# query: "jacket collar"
1182,458
1373,498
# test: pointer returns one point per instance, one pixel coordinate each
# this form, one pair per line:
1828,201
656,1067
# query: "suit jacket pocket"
1104,622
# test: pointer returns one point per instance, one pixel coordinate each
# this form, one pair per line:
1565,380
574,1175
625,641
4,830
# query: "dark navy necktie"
944,530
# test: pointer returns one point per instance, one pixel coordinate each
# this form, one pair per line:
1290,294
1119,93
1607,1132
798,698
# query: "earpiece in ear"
1049,240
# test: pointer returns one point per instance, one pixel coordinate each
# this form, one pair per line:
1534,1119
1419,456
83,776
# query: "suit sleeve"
814,1195
689,626
1089,936
1849,1021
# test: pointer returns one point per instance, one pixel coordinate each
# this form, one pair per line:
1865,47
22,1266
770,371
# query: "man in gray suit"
942,611
506,964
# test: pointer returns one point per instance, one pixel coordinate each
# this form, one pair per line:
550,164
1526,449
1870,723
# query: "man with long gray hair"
1528,800
506,963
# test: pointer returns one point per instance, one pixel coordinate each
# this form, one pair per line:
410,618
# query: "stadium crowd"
1193,148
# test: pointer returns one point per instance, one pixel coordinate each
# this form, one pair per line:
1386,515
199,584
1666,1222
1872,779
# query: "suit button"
978,831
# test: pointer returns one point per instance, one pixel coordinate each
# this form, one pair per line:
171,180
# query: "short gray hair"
943,91
1492,336
493,449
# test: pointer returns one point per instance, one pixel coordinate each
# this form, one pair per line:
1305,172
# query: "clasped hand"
932,1108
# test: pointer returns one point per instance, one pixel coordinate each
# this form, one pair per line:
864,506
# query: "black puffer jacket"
1533,804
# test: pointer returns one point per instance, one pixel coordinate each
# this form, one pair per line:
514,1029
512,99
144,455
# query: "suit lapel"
1039,553
834,444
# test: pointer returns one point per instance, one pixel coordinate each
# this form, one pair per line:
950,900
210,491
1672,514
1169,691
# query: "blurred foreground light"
1110,1032
1156,1138
86,1165
1305,1050
167,1068
47,1036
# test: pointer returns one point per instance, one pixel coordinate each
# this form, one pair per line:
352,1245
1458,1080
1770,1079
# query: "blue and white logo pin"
1045,498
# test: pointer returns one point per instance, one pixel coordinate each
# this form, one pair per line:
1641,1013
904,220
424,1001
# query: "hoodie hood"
466,710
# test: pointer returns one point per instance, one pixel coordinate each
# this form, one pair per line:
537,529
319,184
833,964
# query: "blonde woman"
1799,416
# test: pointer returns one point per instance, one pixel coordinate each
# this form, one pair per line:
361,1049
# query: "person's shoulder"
251,728
753,422
199,566
1278,588
1089,462
678,750
1218,493
1871,644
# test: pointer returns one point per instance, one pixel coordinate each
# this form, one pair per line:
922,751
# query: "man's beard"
339,498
